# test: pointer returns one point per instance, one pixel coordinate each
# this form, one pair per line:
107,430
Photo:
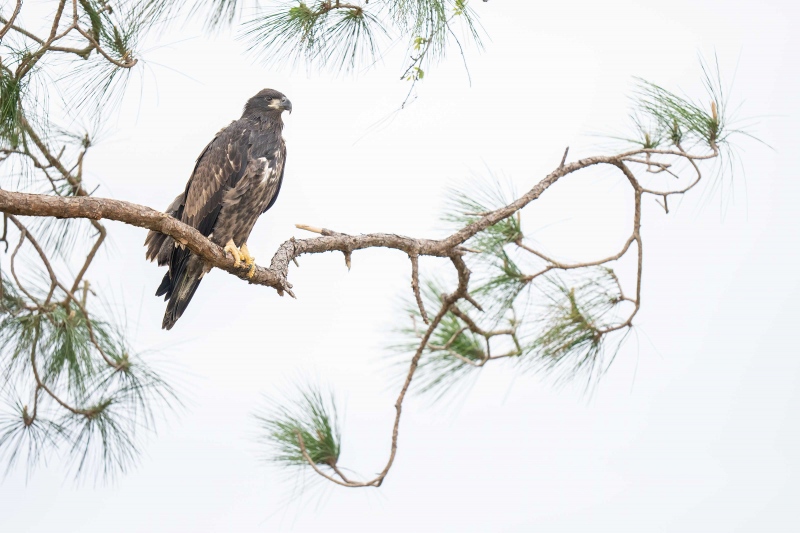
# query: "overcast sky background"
695,427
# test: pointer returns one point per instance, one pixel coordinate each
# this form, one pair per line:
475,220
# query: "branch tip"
469,250
415,287
564,159
474,303
312,229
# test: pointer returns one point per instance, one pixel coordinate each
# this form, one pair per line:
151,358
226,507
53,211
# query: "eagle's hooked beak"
286,105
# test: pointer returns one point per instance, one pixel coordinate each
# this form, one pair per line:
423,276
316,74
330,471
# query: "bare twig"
564,159
415,287
8,24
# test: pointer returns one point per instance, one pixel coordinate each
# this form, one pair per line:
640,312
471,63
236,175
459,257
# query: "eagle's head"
268,101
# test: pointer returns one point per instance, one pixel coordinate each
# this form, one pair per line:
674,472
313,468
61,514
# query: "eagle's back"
256,175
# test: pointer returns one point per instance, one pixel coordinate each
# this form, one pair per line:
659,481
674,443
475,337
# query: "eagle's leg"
231,248
249,260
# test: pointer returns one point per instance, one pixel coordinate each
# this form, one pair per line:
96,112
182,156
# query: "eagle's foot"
249,260
246,257
231,248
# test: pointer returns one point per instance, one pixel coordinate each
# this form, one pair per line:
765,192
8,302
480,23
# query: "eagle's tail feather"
159,246
180,290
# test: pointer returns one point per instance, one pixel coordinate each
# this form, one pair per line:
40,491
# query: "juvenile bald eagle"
236,178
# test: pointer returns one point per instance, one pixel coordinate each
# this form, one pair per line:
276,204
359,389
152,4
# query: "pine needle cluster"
72,388
572,323
349,35
302,430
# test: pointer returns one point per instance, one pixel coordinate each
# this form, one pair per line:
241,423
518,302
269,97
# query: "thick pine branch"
275,276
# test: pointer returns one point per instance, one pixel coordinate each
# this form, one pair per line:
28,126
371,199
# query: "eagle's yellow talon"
231,248
246,257
249,260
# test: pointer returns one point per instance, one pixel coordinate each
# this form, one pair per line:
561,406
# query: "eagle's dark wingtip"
170,317
172,314
168,322
165,289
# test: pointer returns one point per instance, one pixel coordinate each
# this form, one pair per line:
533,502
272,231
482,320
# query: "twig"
415,287
8,24
564,159
312,229
320,472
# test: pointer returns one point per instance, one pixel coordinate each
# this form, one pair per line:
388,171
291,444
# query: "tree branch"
8,24
276,275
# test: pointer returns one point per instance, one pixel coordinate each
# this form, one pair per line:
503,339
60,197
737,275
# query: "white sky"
693,429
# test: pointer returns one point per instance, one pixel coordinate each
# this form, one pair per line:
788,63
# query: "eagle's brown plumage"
236,178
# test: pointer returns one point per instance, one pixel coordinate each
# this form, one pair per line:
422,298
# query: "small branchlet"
458,345
463,209
346,35
303,430
681,118
573,327
340,35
